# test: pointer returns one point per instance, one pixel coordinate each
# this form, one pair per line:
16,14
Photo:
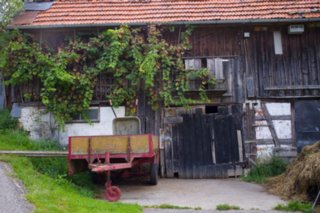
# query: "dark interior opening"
204,62
211,109
176,174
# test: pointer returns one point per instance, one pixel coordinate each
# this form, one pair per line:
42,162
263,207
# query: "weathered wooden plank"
270,124
295,87
270,141
239,137
173,120
193,146
276,117
168,154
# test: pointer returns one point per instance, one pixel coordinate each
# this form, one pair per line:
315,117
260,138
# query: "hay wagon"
124,151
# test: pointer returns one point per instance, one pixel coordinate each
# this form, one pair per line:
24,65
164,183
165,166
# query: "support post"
270,124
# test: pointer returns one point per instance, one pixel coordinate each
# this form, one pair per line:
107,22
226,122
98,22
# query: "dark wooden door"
307,122
202,146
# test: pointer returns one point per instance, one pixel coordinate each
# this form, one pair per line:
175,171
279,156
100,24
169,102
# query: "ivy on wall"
138,58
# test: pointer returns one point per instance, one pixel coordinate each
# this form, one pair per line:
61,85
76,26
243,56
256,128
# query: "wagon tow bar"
112,193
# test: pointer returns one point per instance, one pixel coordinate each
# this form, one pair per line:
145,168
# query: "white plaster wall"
104,127
41,125
37,122
263,133
279,108
264,152
282,127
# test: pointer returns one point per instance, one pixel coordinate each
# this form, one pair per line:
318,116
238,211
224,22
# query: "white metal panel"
277,40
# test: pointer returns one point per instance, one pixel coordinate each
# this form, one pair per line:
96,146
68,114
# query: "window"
194,65
92,114
219,68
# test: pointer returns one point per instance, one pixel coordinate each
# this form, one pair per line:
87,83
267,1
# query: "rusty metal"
99,151
112,193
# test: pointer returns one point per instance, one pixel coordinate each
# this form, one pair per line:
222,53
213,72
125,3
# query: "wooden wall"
261,73
294,74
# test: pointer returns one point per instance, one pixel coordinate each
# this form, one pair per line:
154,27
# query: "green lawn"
48,187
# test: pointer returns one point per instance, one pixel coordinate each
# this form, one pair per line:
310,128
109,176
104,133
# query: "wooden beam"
297,87
270,124
34,153
239,137
270,141
277,117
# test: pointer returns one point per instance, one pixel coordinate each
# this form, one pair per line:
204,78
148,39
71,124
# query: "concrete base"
204,193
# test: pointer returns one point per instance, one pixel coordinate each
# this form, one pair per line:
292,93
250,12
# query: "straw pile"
301,181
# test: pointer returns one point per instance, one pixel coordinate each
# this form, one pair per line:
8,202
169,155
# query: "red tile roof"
114,12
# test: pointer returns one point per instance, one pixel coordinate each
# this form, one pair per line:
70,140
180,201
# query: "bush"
261,172
294,206
6,121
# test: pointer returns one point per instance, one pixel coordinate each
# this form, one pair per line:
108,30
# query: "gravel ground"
12,193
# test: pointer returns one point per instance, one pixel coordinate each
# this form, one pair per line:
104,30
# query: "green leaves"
138,59
8,9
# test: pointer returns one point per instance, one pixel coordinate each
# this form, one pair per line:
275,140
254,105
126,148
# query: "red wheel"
113,193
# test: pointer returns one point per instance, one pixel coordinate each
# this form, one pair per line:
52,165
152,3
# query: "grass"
6,121
48,187
294,206
261,172
226,207
169,206
18,140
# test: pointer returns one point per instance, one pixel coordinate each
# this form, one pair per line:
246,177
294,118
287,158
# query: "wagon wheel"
113,193
153,174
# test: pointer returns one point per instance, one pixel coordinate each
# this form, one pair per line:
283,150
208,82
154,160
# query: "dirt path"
12,193
206,194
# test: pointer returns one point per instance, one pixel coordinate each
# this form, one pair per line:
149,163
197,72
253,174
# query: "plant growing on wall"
65,91
139,59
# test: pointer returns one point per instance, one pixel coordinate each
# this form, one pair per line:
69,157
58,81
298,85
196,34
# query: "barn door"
307,122
201,146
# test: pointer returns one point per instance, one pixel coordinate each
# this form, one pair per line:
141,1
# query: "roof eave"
248,21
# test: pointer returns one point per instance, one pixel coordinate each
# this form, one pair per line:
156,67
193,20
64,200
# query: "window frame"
82,120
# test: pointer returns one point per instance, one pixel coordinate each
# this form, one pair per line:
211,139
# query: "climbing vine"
139,59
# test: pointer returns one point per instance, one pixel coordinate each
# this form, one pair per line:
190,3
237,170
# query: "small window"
192,64
91,114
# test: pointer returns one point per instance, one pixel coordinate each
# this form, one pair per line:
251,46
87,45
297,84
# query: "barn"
264,55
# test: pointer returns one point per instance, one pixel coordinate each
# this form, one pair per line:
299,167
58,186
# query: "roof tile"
69,12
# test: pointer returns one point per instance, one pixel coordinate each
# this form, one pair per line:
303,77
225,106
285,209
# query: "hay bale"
302,177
